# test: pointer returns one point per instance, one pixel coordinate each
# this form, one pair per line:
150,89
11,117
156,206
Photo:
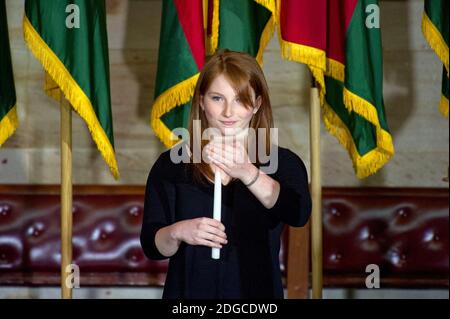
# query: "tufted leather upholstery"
106,228
405,232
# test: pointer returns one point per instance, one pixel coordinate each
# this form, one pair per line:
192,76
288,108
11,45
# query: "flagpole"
66,194
316,193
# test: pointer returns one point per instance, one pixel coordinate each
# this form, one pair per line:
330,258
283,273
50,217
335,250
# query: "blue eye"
216,98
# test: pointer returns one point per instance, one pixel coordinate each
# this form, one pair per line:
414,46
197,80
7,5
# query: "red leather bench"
404,231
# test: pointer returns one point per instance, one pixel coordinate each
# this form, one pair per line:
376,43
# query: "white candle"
217,207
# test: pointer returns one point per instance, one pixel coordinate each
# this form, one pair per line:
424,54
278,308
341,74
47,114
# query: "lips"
228,123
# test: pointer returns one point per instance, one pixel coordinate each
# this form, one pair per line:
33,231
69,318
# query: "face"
223,108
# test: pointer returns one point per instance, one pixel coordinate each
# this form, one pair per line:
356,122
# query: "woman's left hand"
232,158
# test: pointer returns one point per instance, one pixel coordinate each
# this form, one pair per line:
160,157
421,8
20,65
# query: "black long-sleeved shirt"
249,263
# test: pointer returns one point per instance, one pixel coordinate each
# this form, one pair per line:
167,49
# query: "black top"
249,264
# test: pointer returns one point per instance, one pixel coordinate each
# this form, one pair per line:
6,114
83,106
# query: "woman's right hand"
201,231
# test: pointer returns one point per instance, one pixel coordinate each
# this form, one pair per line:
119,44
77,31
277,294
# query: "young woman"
232,97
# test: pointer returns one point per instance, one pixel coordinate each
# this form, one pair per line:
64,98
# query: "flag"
435,29
340,41
181,58
69,38
443,107
8,114
241,25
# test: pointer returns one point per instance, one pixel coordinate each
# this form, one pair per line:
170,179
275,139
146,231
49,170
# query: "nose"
228,110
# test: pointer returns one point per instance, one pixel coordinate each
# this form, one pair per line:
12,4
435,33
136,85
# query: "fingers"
227,159
214,238
214,231
212,157
227,155
208,243
222,166
221,149
211,233
228,147
213,222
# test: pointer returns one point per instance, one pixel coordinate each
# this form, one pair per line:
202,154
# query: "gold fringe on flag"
269,5
443,106
8,125
268,29
438,44
179,94
72,91
213,39
336,70
374,160
314,58
369,163
360,106
435,39
321,66
52,88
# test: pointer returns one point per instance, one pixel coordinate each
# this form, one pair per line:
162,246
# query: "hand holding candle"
231,158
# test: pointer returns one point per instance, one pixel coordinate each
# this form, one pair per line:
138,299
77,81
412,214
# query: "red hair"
244,73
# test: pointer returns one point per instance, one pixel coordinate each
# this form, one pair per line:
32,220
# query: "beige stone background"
412,92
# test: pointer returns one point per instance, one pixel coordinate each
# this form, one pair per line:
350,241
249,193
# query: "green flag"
69,39
435,29
181,57
444,98
241,25
340,41
8,115
238,25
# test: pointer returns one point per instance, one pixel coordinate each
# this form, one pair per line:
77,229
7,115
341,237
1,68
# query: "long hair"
244,73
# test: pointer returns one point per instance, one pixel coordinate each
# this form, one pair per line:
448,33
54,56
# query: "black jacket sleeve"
156,209
293,205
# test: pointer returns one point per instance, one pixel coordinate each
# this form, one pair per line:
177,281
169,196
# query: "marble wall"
412,92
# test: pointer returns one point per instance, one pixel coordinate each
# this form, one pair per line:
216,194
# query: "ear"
257,104
201,103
